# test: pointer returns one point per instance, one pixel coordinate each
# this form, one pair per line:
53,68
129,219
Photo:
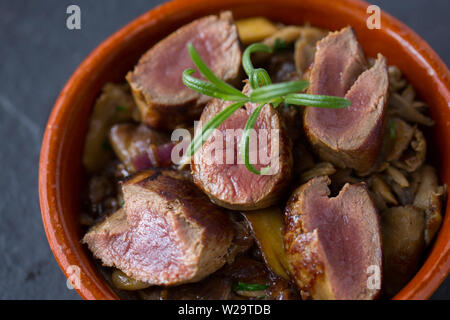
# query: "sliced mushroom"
400,107
379,201
114,105
305,48
396,80
401,134
409,94
403,244
429,197
320,169
286,34
397,176
405,196
243,238
123,282
413,157
380,187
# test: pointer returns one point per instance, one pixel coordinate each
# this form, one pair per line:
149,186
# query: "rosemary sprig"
270,92
210,89
245,142
263,93
203,68
211,125
315,100
244,286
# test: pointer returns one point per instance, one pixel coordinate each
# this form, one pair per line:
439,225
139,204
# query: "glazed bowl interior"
61,173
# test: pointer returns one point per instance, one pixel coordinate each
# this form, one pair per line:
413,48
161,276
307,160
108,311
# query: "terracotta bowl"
60,169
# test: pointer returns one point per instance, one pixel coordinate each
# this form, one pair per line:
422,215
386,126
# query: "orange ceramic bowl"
60,169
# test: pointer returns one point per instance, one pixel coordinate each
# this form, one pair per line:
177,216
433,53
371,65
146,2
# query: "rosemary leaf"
212,124
273,91
208,89
204,69
245,142
259,78
247,62
243,286
320,101
392,130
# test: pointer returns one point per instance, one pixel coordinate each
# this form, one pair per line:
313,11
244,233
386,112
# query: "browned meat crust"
350,137
168,232
162,98
331,242
232,185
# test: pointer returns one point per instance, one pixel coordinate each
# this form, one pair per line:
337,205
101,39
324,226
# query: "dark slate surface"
37,56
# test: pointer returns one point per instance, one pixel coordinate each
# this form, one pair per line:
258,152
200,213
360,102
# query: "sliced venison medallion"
338,62
333,244
162,98
217,167
168,232
350,137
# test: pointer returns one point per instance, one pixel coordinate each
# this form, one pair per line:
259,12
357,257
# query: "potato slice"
255,29
267,225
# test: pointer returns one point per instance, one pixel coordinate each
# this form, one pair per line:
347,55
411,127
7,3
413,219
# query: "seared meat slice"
338,62
333,244
350,137
167,234
140,147
162,98
217,167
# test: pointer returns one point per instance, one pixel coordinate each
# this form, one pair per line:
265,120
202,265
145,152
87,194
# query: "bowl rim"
433,271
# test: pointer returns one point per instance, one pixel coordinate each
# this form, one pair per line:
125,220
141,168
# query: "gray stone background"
37,56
